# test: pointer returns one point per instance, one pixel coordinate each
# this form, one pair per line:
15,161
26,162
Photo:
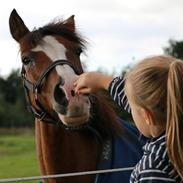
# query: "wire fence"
65,175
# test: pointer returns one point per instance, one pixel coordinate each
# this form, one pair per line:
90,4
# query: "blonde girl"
154,89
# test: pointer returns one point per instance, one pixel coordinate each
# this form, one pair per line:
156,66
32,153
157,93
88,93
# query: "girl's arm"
91,82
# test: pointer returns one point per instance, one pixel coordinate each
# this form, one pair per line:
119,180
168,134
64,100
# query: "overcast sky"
119,32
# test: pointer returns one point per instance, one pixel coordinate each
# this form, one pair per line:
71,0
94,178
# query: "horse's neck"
63,151
105,119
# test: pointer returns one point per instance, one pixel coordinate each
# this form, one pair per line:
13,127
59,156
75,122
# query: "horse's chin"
74,120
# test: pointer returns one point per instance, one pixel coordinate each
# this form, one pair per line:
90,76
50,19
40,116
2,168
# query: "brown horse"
50,64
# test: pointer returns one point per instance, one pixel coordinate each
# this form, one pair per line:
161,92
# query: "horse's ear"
17,27
70,23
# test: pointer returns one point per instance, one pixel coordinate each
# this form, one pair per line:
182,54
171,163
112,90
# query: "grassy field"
18,154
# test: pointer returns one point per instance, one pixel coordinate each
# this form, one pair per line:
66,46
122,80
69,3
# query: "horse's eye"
78,52
26,60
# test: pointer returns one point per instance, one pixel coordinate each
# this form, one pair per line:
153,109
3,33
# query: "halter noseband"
42,113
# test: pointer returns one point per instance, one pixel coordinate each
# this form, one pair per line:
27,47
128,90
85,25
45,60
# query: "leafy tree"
13,111
175,48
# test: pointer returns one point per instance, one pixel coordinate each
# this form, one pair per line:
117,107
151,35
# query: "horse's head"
51,61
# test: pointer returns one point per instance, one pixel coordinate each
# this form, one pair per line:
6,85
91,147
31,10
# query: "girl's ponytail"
174,127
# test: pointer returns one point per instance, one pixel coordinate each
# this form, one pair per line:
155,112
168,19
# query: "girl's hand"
91,82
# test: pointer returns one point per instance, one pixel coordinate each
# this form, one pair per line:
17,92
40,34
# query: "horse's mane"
55,28
104,119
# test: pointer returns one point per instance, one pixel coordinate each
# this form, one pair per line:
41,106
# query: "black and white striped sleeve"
154,176
116,91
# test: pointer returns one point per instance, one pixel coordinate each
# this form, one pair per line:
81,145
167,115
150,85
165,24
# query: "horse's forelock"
31,40
58,28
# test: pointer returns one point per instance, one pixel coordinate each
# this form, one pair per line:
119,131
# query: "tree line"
13,111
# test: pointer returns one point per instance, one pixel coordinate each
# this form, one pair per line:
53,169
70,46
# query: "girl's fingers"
78,85
84,91
77,88
75,84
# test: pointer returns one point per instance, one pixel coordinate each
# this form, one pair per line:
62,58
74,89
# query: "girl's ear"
147,116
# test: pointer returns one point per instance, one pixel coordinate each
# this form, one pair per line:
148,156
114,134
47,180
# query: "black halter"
40,112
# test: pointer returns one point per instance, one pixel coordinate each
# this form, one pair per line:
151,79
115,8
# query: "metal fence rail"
65,175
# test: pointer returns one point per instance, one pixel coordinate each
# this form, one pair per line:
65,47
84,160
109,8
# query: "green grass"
18,155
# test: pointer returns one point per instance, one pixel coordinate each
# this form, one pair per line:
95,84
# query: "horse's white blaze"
55,51
52,48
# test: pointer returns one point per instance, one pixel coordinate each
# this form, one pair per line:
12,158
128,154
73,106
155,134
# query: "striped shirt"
116,90
155,166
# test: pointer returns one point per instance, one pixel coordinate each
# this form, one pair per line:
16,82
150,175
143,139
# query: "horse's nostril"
64,102
60,97
72,93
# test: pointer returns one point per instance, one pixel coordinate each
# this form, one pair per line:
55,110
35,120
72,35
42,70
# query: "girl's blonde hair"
157,85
